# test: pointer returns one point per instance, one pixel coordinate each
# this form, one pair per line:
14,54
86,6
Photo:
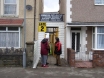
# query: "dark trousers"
58,61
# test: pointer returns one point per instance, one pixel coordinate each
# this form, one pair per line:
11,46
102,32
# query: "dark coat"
44,47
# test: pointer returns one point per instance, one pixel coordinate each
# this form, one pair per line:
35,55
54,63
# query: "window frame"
95,39
10,15
97,3
12,32
10,4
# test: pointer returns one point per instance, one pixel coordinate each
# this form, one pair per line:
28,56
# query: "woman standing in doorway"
44,52
58,51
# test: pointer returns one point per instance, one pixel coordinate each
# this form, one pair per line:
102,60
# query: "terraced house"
12,23
84,27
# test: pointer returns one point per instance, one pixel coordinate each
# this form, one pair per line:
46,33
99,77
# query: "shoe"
45,66
58,65
47,63
55,64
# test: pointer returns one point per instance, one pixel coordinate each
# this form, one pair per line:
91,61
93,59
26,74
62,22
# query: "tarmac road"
51,72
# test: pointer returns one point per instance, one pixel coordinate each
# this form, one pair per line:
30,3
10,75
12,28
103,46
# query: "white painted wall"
68,11
83,39
68,40
41,35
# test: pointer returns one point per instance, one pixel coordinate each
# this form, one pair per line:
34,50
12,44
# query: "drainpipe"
34,16
36,19
24,52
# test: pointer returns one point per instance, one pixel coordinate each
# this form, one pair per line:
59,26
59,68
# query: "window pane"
100,41
10,1
98,1
13,39
10,9
93,40
2,39
9,39
12,28
2,28
100,29
93,29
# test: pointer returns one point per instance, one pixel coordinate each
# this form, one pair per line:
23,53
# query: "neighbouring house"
84,27
12,22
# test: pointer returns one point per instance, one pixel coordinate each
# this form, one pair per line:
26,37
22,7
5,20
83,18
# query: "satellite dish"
29,7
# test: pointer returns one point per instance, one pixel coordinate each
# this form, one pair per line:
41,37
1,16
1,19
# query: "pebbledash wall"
60,25
69,19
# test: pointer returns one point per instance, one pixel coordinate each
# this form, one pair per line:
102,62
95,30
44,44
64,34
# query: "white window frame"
12,31
95,39
12,15
99,4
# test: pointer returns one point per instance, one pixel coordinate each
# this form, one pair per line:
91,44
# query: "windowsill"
99,4
10,47
9,15
98,49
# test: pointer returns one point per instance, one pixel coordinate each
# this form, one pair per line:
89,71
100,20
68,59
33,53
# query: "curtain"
10,7
10,1
98,1
100,41
2,39
100,37
10,39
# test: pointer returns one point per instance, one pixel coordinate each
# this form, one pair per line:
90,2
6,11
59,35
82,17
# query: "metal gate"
83,56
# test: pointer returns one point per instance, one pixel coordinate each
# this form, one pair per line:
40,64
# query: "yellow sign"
42,27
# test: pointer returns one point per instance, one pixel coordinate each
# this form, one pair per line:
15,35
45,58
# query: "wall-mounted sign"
42,27
51,17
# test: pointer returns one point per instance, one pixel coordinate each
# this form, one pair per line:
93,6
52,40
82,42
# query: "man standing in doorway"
58,51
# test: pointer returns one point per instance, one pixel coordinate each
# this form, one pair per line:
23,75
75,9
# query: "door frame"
76,31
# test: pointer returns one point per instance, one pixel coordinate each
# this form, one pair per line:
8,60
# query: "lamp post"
24,52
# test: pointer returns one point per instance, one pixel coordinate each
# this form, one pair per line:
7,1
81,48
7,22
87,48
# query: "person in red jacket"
44,52
58,51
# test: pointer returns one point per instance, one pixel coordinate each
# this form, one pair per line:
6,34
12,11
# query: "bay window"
98,37
9,37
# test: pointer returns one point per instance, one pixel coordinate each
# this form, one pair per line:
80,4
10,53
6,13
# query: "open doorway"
51,33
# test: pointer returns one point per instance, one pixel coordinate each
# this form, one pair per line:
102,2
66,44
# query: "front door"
75,39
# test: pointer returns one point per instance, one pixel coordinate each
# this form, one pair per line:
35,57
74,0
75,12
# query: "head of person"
57,39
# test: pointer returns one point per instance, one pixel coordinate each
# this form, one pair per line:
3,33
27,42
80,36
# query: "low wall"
11,57
98,58
71,57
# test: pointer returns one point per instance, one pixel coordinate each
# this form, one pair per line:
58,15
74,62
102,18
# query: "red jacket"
58,49
44,48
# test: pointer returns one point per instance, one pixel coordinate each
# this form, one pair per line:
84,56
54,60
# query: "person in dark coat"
58,51
44,52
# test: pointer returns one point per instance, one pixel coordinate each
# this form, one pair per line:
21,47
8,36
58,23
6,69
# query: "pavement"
52,71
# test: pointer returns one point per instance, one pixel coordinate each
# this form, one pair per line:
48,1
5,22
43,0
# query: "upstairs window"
10,7
99,2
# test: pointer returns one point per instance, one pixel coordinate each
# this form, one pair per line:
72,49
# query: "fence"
36,54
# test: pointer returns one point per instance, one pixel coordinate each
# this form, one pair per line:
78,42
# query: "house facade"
13,36
84,26
12,22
